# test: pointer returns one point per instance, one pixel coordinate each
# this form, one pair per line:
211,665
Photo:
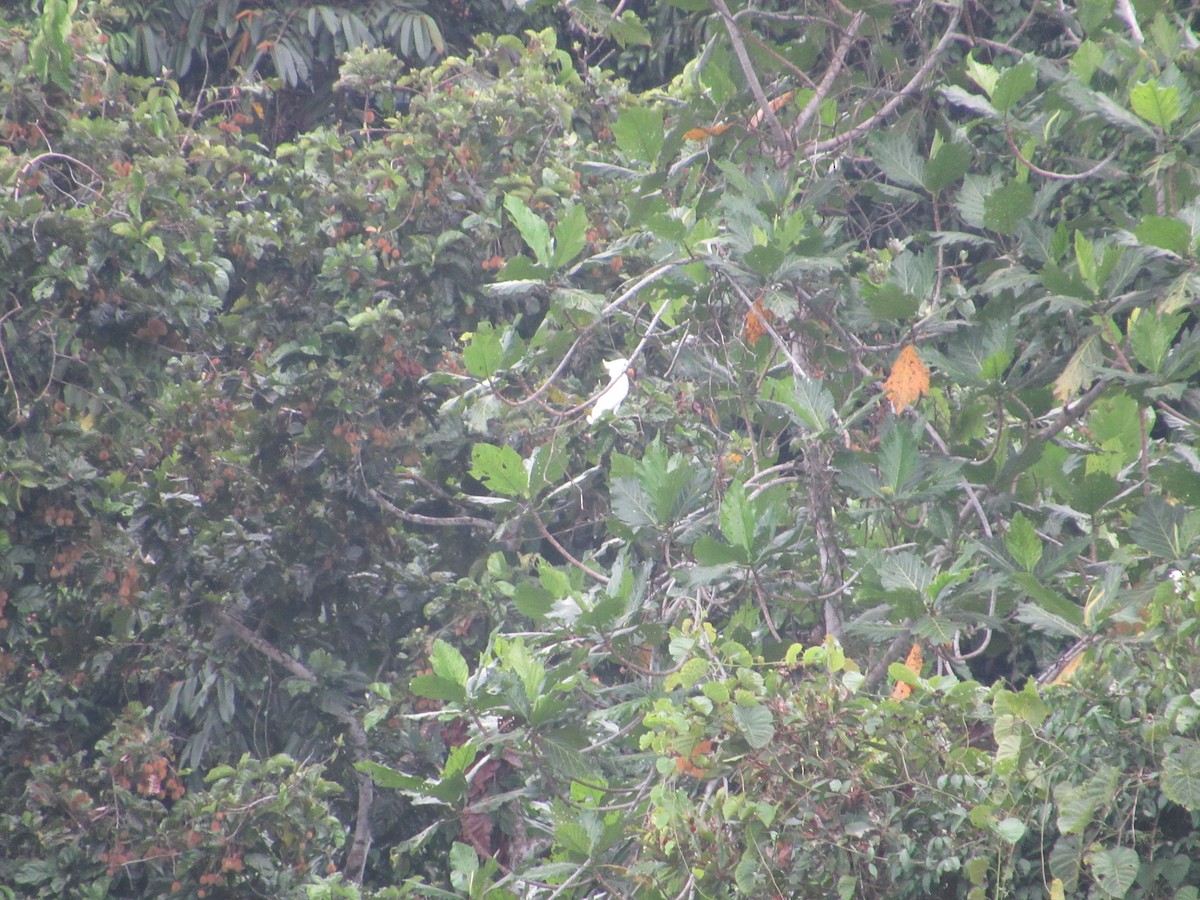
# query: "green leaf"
434,687
1166,530
534,230
982,74
1087,58
898,671
1158,105
1078,804
1085,258
889,302
464,864
1005,207
570,236
711,552
1023,543
532,600
1010,829
948,165
1114,870
501,469
754,722
1181,774
764,259
639,133
448,663
905,571
1166,233
895,152
390,778
1013,84
747,875
1151,336
484,355
737,518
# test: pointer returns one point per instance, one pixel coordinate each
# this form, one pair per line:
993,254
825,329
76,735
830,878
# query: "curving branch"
1056,176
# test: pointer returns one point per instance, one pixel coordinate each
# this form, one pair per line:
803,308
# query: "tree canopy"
579,450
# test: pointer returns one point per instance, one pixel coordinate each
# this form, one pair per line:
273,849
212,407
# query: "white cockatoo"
611,397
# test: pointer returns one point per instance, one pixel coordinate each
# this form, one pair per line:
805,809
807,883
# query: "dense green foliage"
318,579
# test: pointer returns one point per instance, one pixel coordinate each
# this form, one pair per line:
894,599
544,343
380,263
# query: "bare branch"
914,84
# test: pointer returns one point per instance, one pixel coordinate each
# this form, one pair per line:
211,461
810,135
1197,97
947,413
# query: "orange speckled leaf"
908,381
755,326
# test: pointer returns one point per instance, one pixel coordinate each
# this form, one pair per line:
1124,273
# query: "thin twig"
832,71
914,83
583,567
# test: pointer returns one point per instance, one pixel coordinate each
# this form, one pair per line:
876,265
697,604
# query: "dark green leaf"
1115,870
948,165
1181,774
1014,84
1166,233
1006,206
754,722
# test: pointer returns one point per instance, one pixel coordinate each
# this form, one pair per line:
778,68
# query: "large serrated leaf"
448,663
737,518
895,152
1158,105
1164,529
1165,232
534,230
639,133
947,165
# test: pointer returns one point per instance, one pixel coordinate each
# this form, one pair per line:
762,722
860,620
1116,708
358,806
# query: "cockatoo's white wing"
613,396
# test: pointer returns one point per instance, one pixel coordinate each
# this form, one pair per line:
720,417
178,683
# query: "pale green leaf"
501,469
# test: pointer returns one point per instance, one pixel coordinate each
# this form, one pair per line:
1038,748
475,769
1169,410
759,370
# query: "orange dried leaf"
913,662
908,381
704,132
756,321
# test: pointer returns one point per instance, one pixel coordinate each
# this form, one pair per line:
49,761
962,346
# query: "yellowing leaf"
913,662
908,381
